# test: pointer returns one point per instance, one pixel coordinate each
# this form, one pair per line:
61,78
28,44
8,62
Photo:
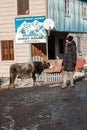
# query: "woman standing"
69,61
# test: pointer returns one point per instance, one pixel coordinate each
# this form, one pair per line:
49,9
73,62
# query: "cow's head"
46,64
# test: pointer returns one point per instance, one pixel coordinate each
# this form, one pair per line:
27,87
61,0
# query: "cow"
27,70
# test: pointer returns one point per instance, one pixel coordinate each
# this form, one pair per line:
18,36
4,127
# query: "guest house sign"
30,29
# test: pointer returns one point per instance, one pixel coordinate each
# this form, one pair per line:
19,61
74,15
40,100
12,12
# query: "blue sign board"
30,29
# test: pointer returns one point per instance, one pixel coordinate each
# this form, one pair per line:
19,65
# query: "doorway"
56,44
51,47
39,49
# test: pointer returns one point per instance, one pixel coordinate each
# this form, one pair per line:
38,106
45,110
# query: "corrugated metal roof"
72,23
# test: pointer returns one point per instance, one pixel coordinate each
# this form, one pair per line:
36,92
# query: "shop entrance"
56,43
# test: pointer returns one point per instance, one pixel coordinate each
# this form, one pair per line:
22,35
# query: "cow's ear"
45,59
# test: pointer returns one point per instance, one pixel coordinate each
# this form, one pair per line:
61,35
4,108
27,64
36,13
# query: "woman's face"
68,42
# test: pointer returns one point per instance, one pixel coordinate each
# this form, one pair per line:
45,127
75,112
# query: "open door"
39,49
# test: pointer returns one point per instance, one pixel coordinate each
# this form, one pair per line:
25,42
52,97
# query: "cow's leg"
34,78
34,81
12,79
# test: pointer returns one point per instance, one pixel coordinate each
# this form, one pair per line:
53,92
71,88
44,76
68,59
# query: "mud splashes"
9,123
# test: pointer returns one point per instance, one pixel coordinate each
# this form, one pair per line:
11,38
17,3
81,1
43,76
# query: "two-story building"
69,16
10,51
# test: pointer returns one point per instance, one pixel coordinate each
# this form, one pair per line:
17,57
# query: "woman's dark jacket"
70,57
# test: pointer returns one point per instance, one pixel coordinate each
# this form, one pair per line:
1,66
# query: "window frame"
22,7
7,50
67,7
84,10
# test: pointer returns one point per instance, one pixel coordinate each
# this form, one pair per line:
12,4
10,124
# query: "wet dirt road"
44,108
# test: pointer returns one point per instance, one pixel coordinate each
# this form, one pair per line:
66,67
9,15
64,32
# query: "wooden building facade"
69,16
10,52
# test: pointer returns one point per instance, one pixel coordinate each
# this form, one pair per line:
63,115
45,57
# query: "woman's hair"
69,38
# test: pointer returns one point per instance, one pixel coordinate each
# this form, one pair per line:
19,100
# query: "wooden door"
39,49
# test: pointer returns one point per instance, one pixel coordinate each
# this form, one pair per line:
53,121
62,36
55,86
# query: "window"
7,50
67,7
78,44
23,7
84,10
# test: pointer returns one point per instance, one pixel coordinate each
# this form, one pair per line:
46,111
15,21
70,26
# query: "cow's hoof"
10,87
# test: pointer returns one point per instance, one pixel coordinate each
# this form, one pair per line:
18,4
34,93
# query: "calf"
27,70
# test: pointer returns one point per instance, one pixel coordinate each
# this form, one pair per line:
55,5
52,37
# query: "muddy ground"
45,107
